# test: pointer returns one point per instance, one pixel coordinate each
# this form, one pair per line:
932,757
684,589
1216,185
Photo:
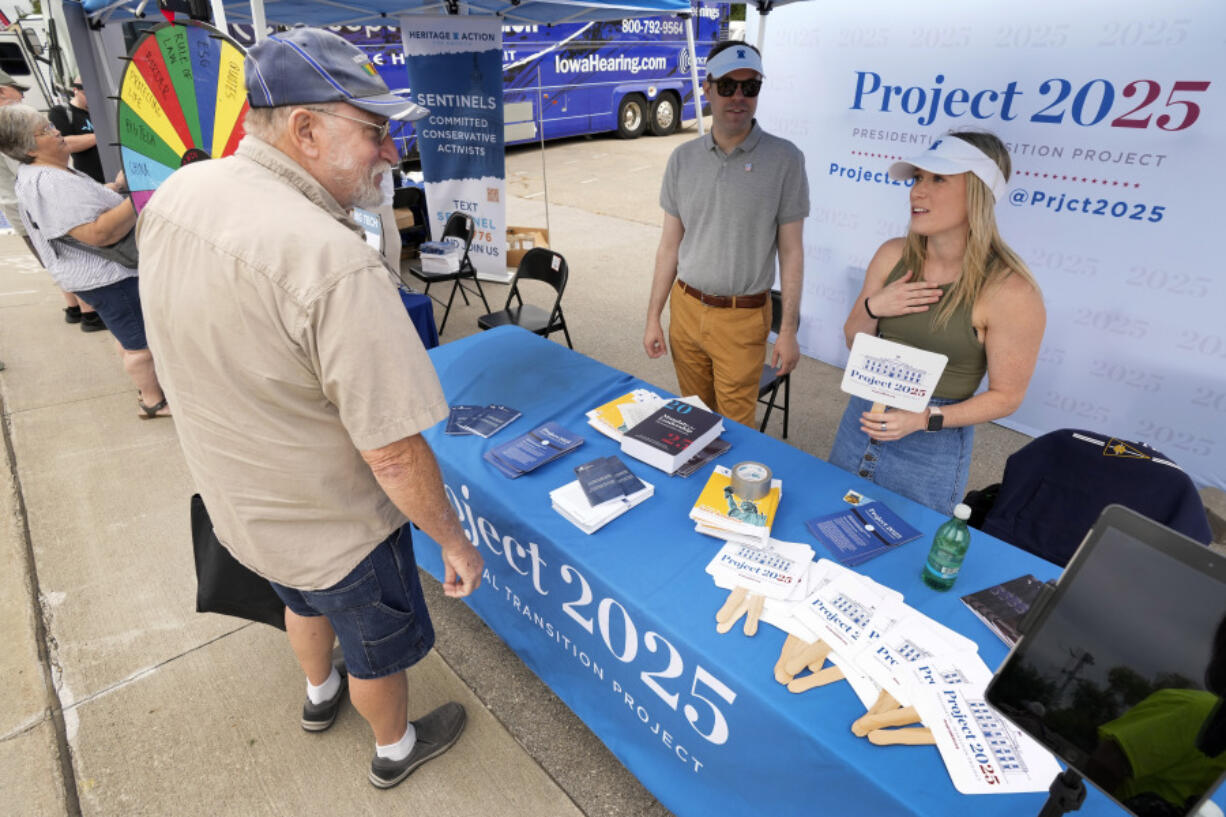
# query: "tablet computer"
1122,673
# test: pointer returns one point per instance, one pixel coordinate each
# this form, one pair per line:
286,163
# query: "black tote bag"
223,584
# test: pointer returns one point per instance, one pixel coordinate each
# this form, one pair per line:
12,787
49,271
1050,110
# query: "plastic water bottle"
948,550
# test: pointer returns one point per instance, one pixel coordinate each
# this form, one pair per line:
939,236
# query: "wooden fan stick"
894,717
816,679
740,602
915,736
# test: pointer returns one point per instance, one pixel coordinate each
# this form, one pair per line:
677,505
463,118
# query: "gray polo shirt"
731,207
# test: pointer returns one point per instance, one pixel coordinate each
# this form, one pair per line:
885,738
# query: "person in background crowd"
72,120
953,286
61,206
12,93
278,330
731,200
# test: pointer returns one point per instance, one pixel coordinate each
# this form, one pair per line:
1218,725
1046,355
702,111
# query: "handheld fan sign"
181,99
892,374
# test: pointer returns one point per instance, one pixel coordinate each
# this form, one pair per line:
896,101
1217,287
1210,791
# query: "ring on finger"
883,426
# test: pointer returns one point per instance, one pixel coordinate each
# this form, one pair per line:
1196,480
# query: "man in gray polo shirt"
731,200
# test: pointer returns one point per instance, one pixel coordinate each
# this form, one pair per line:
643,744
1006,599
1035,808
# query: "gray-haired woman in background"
67,214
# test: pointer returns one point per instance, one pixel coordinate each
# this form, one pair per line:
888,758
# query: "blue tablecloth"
421,312
621,624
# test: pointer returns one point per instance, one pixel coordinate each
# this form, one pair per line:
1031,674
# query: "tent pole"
540,120
219,17
763,11
689,39
259,22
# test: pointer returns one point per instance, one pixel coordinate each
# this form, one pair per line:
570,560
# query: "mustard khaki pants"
718,353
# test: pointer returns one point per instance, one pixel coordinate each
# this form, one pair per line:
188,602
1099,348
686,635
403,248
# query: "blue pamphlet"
532,450
460,414
861,533
606,478
489,420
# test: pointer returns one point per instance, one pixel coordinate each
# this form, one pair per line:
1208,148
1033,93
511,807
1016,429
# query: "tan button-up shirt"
284,351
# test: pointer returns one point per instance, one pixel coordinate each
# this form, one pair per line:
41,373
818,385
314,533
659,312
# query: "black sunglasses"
78,86
726,86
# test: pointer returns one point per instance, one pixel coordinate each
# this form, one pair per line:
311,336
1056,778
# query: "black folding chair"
770,382
538,264
459,225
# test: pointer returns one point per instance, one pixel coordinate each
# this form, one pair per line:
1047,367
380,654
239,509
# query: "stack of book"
1003,606
605,489
671,435
441,256
721,513
532,450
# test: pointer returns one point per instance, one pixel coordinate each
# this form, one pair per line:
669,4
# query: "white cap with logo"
949,156
732,59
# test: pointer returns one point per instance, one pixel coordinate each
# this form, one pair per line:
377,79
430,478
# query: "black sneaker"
72,314
436,733
318,717
92,322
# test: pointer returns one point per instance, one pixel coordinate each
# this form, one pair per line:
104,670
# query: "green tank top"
968,360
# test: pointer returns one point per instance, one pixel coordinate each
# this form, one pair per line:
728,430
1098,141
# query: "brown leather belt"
725,301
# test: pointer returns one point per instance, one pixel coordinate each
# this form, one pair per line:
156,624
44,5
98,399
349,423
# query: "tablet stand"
1066,794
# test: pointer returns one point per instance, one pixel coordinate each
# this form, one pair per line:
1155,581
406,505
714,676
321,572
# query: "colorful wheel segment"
182,99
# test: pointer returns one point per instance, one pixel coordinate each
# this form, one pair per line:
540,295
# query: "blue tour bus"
570,79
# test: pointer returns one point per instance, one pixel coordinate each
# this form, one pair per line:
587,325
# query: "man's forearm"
410,477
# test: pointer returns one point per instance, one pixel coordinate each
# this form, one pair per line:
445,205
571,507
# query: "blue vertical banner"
455,70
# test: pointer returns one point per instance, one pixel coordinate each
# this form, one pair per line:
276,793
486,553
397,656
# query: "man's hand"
653,340
786,354
462,569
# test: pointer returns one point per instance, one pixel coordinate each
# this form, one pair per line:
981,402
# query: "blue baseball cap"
732,59
306,66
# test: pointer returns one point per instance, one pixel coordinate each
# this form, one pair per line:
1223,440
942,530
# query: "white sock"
401,748
325,691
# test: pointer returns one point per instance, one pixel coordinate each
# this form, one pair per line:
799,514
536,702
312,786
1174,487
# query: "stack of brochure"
604,491
484,421
720,512
861,532
532,450
441,256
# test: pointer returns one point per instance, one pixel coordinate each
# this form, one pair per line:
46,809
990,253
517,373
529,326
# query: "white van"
25,55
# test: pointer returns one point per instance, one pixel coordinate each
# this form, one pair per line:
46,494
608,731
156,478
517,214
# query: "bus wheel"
664,115
631,116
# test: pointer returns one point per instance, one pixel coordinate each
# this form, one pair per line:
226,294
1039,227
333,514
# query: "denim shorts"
930,467
378,610
119,306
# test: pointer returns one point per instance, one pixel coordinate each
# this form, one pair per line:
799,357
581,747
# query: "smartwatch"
936,420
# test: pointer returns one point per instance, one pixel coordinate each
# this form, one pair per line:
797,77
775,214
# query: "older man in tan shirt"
301,388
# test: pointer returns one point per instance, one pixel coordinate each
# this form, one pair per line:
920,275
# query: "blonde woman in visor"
953,286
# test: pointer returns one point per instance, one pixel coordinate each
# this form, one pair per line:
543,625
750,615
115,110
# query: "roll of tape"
751,480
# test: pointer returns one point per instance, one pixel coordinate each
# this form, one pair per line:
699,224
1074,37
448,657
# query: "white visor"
950,155
732,59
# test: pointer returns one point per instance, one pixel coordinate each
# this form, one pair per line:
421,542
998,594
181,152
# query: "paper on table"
983,753
776,570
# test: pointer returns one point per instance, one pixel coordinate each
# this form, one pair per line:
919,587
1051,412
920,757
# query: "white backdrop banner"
1114,116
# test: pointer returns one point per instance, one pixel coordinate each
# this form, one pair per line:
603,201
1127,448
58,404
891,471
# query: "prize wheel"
182,99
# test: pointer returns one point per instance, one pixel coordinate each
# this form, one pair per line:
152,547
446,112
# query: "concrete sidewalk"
121,698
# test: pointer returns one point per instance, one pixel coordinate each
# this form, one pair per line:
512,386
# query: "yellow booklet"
719,507
608,419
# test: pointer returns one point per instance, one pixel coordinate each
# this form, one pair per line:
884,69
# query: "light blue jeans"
929,467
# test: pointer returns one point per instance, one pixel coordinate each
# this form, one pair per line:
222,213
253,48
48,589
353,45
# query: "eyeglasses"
381,131
726,86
